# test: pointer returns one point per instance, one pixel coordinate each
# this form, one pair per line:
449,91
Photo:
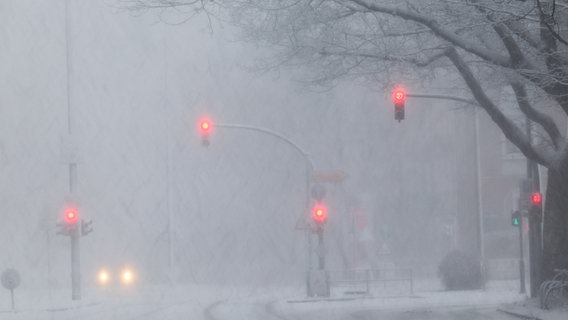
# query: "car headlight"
127,276
103,277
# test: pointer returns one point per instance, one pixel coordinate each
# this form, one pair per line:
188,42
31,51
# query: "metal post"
479,192
535,232
533,292
521,257
74,235
12,296
532,255
538,225
411,282
367,279
309,170
535,236
309,167
321,249
75,265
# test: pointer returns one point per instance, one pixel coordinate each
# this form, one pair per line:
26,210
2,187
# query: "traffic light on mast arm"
319,214
205,127
399,97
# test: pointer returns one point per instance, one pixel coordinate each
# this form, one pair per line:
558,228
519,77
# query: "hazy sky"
136,89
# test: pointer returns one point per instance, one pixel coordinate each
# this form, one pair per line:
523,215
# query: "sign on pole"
10,280
329,176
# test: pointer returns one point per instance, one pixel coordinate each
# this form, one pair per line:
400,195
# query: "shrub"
459,271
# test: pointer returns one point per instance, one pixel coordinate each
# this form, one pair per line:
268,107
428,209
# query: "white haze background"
138,87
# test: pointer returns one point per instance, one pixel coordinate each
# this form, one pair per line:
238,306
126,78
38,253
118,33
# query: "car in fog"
113,277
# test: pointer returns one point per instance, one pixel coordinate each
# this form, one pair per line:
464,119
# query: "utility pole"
74,232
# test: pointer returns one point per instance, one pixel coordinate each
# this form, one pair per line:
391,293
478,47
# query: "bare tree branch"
433,25
549,21
542,119
511,131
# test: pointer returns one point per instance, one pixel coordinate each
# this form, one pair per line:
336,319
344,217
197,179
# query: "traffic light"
69,223
319,214
398,97
536,199
71,216
536,203
205,127
516,219
86,227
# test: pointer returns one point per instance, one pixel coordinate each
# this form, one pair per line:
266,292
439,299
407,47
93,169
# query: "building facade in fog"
502,167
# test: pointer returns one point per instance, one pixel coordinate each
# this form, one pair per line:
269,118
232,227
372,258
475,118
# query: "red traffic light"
71,215
399,96
205,126
536,198
319,213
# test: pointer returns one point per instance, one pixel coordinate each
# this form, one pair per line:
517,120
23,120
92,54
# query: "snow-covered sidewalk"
529,309
500,295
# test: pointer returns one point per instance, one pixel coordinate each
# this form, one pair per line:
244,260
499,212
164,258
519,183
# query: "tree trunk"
555,234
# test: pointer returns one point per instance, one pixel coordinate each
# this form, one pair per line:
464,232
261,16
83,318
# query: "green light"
516,219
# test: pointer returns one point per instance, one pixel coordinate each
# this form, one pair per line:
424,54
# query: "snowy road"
431,314
223,310
255,303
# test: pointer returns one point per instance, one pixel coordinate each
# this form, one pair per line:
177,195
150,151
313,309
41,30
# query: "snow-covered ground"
230,302
158,302
428,294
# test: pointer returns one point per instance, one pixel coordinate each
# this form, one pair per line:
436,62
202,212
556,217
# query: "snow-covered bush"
459,271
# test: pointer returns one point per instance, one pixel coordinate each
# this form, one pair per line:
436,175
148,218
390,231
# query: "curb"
518,314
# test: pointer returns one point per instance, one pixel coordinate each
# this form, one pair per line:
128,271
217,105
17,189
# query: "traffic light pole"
534,217
75,265
521,257
479,191
321,249
309,168
534,214
75,232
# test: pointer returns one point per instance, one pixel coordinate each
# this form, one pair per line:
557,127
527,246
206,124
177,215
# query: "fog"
134,88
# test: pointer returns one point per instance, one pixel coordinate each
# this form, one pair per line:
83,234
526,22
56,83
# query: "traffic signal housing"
399,97
516,219
70,221
71,216
536,203
536,199
86,227
205,127
319,214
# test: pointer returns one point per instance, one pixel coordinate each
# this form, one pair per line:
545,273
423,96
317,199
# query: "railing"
554,293
366,279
